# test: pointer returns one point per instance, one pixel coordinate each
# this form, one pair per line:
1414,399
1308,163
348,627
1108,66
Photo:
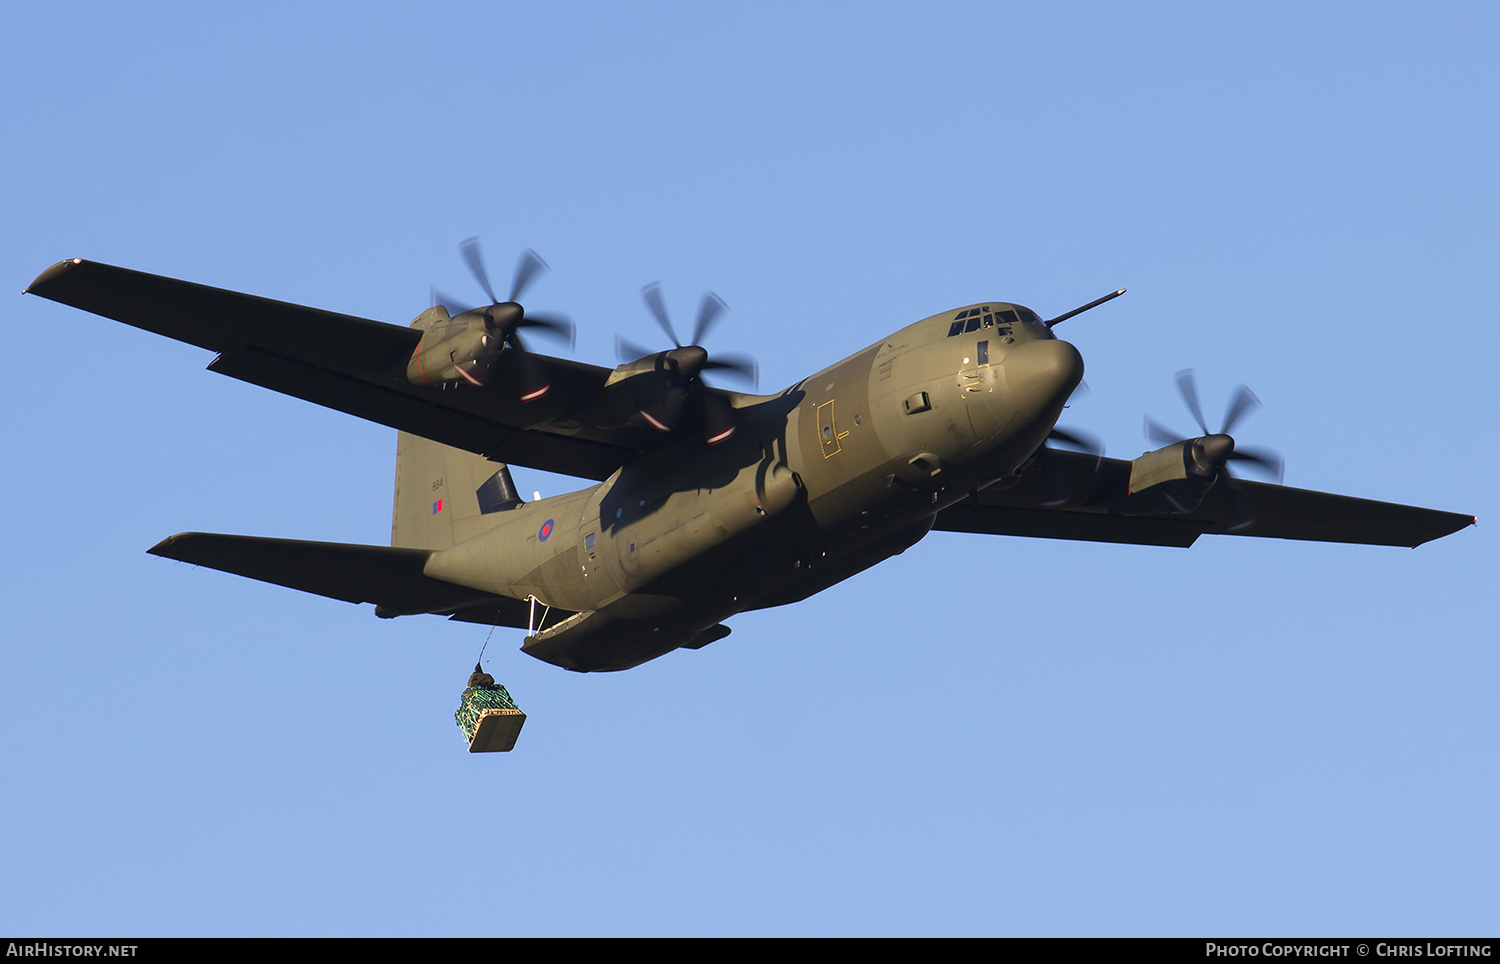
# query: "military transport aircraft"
709,502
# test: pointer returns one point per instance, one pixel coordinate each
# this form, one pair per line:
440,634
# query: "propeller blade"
558,326
533,377
652,296
742,365
666,414
527,269
1267,460
1244,401
1082,441
453,306
1244,515
708,312
718,419
1188,386
628,351
1160,434
470,250
1054,483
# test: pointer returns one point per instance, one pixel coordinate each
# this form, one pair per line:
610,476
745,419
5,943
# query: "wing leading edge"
351,364
1067,495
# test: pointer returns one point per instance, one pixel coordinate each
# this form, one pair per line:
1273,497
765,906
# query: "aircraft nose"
1043,372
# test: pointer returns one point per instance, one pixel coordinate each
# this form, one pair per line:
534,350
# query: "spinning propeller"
684,366
1214,450
1053,479
503,321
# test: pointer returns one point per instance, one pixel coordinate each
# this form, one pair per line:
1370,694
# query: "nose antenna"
1078,311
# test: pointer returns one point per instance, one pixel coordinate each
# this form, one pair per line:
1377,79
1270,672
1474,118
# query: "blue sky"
982,736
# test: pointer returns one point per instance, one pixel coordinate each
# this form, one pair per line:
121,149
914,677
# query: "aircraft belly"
832,562
600,642
787,560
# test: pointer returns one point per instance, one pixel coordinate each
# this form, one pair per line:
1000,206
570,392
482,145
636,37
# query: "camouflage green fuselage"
827,478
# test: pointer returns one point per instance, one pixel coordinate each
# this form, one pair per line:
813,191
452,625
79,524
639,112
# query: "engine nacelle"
457,350
1175,478
663,391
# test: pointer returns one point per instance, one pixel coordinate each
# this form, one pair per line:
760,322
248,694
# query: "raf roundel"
544,531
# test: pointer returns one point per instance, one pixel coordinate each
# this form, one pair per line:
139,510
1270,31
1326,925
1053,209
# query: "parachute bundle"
489,718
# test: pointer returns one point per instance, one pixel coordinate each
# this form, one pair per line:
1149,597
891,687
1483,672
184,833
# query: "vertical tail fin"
445,495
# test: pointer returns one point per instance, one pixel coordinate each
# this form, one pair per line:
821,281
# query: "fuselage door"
829,435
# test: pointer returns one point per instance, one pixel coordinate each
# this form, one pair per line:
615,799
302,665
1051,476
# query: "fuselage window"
972,324
982,355
957,328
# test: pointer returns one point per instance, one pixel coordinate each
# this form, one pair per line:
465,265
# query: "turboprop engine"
1176,477
480,346
473,349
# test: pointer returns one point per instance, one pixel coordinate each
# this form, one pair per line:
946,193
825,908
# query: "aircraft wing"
1068,495
351,364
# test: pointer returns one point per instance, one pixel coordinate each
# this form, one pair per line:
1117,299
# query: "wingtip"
50,275
1473,521
163,548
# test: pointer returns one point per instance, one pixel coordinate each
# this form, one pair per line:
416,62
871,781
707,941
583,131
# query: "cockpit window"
973,319
1037,325
1001,319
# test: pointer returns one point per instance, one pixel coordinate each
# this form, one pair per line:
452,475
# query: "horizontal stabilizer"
390,578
